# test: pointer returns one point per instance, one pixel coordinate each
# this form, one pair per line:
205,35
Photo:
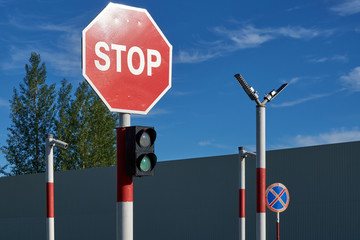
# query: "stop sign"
126,59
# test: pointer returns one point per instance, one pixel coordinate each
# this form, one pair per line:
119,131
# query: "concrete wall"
194,199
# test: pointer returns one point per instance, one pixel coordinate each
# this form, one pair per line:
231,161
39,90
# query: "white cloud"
352,80
67,62
205,143
341,58
250,36
319,60
306,99
246,37
62,54
294,80
335,136
301,100
211,143
193,57
299,32
336,58
17,60
4,103
294,8
346,8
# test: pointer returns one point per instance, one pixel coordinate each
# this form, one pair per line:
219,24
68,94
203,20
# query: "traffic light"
140,156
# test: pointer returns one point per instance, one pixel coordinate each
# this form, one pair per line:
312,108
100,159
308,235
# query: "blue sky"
312,45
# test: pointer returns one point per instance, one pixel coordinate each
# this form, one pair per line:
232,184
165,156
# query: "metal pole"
261,152
124,203
278,226
241,193
260,173
50,223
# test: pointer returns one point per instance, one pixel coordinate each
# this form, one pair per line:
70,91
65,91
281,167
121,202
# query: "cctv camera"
59,143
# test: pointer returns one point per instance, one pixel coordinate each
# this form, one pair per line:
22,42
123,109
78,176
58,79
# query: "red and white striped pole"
260,153
50,224
49,155
124,203
241,193
260,173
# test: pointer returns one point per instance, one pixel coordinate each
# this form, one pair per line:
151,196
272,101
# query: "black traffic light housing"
139,148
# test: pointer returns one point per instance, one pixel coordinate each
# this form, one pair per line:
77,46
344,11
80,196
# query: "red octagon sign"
126,59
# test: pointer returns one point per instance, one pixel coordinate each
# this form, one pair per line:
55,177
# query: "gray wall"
194,199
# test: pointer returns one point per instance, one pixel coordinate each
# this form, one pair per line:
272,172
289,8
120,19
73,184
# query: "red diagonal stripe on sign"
277,197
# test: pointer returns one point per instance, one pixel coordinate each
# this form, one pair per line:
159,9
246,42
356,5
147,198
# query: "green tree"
89,128
32,112
81,120
102,132
63,129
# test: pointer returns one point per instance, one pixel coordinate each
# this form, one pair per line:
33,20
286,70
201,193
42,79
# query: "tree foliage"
81,120
32,115
90,129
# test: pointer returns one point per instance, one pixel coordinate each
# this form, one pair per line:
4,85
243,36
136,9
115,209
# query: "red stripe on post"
124,182
241,203
50,199
260,190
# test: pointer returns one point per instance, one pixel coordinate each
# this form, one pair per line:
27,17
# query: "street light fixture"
254,95
271,95
248,89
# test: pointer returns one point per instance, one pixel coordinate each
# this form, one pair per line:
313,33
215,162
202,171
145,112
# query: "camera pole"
49,154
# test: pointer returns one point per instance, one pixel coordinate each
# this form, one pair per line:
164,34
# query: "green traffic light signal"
140,156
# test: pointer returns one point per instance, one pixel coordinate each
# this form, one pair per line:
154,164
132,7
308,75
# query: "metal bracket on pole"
248,154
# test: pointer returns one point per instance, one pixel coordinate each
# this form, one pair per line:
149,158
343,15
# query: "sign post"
277,200
127,60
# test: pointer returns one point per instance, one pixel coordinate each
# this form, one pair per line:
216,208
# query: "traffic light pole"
124,203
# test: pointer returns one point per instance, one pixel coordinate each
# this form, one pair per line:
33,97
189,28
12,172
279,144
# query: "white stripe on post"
125,220
51,228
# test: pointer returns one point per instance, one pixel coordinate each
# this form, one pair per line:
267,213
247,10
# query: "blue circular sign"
277,197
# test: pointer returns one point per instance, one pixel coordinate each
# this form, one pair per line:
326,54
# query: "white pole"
241,193
278,226
50,223
260,173
124,203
